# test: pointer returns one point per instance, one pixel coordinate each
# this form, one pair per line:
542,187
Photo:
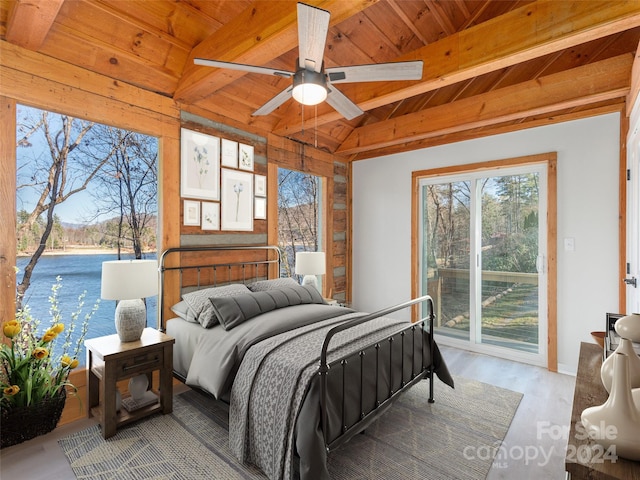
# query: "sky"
78,208
73,210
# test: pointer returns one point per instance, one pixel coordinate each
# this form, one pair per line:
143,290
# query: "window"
86,193
483,253
300,216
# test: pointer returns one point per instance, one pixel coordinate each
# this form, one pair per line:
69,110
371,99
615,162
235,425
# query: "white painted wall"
588,166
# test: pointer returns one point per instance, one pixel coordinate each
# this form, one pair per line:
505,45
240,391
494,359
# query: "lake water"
78,273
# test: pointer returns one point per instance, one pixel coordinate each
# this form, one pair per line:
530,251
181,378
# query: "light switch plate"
569,244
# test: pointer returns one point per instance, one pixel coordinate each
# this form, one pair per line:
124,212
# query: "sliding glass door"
482,259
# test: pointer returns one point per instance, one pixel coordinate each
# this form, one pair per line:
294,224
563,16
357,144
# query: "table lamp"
310,264
128,282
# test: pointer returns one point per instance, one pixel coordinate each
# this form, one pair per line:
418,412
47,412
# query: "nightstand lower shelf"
123,417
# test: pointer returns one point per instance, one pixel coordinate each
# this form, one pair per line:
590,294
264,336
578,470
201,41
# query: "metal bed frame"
402,343
400,337
273,257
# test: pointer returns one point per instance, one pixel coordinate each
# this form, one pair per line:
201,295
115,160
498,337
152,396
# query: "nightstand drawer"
142,363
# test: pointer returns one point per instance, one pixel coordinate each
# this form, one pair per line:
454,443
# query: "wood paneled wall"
7,208
294,156
36,80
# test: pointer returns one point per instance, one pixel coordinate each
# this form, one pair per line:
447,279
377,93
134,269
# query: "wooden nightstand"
109,360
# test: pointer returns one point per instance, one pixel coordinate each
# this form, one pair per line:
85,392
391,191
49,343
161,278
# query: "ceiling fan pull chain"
315,128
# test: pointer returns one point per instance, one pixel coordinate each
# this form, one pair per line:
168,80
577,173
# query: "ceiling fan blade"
376,72
342,104
274,103
243,67
313,26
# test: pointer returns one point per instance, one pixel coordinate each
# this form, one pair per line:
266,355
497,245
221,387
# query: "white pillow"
182,310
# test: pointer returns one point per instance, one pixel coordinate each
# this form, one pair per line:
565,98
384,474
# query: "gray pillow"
182,310
264,285
200,308
232,311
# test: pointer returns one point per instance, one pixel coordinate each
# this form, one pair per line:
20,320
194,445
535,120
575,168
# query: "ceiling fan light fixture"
309,87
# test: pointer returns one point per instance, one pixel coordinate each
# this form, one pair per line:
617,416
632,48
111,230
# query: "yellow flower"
68,362
58,328
49,335
12,390
11,328
40,353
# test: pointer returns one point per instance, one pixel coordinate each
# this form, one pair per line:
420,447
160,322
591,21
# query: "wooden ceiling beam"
29,22
268,30
506,127
600,81
529,32
635,82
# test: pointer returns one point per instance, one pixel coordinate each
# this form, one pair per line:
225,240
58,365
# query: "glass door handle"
633,281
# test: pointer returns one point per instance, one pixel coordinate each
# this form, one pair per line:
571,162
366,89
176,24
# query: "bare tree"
128,184
51,179
298,214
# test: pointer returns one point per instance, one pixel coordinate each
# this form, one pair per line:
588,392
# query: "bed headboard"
191,268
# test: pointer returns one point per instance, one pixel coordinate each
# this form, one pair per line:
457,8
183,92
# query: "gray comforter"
209,358
271,361
274,410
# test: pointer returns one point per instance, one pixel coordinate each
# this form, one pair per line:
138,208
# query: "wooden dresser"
584,459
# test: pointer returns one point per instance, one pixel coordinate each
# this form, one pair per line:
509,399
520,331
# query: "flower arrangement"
29,371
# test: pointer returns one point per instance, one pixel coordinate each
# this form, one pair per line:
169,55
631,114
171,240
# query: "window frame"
550,159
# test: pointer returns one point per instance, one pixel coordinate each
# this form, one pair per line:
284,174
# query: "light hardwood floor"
534,447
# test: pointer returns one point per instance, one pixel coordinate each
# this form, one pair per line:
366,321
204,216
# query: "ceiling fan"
312,83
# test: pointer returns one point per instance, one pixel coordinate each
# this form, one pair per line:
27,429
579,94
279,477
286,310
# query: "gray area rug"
453,438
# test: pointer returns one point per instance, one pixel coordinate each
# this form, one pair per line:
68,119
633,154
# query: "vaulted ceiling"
489,65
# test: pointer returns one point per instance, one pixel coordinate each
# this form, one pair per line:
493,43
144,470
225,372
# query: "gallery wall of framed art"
218,186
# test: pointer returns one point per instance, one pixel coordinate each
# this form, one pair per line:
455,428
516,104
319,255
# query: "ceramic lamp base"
310,280
131,318
138,385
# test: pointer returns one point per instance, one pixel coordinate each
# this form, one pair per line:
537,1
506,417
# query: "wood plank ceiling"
489,65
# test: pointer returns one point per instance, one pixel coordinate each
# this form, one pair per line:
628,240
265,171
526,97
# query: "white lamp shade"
310,263
129,279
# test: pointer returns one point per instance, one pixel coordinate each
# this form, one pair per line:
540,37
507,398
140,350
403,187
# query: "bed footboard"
375,375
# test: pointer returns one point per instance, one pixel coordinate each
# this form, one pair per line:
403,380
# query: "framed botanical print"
245,157
260,185
199,165
260,208
191,212
210,216
237,200
229,153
